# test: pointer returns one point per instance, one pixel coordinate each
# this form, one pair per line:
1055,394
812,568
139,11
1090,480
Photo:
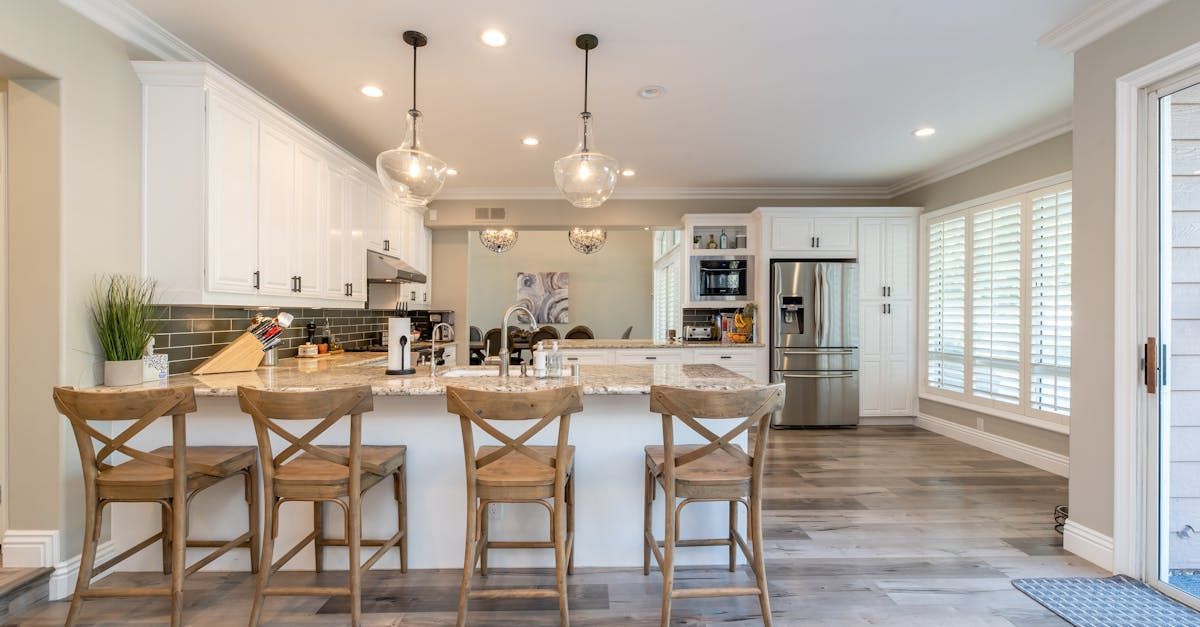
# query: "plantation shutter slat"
1050,296
996,304
947,274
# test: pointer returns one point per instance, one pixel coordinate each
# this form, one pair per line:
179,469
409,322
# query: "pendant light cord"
414,106
586,53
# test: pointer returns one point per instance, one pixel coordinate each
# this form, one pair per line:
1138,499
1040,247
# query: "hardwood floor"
874,526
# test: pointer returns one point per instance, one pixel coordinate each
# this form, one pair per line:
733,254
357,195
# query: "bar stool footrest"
698,593
515,593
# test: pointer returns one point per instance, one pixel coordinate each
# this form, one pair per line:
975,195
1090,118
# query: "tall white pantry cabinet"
244,205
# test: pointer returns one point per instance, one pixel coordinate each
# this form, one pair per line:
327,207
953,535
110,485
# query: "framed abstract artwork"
545,294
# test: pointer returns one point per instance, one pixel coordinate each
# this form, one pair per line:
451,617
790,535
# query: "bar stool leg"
87,561
319,541
268,547
560,553
402,512
483,537
253,499
668,567
354,534
647,521
760,571
733,518
178,520
166,539
570,523
468,557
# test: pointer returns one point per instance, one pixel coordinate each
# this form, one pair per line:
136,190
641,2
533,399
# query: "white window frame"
1022,412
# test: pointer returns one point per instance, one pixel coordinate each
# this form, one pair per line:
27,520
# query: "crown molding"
135,28
1012,143
1095,22
678,193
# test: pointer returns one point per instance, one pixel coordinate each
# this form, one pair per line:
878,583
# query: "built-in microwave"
724,277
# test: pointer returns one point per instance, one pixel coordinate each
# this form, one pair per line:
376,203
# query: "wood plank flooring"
874,526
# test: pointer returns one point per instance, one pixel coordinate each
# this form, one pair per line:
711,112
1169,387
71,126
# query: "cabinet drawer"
738,356
592,357
670,356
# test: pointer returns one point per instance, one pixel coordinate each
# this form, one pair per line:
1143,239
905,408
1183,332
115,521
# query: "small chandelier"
498,240
408,171
586,177
587,241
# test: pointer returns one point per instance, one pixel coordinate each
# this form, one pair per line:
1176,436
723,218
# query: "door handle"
840,375
1151,365
300,283
818,242
256,276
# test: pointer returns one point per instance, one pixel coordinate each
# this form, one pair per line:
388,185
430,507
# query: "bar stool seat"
698,479
308,471
518,471
217,462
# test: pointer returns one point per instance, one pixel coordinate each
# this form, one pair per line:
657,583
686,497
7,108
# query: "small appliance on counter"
698,333
399,343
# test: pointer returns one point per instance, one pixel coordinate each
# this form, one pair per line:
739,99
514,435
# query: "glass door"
1173,358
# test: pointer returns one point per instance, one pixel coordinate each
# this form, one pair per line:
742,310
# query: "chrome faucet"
504,334
433,346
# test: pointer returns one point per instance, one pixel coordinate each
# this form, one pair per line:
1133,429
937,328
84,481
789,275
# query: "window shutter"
1050,303
947,331
996,304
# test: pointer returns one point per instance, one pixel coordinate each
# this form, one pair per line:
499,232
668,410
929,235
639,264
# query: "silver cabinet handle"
840,375
843,352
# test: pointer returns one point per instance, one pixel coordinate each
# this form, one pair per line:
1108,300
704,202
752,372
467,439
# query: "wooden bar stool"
518,473
170,476
717,471
321,474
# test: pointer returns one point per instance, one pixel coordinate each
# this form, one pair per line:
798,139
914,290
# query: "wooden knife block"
241,355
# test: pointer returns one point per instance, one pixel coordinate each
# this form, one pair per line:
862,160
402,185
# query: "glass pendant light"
587,241
586,177
498,240
408,171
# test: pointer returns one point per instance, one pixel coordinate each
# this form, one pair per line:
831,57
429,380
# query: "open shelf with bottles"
719,239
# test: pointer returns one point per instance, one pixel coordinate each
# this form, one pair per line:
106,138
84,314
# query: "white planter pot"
120,373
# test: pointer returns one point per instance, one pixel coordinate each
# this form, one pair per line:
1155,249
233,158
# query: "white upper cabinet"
232,232
871,258
805,234
285,216
887,260
900,258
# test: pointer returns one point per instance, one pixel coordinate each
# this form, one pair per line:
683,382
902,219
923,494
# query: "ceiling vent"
490,214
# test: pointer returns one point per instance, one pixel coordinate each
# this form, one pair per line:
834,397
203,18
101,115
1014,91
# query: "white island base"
609,436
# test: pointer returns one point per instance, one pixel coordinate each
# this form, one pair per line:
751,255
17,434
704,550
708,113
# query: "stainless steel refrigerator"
814,332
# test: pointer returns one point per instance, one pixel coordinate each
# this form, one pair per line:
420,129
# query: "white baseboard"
37,548
885,421
1089,544
1012,449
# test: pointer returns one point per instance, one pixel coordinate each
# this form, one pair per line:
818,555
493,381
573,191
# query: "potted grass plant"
123,312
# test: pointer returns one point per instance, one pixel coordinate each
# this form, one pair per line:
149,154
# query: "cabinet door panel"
871,269
899,359
232,256
310,244
792,233
901,257
276,209
336,234
374,226
356,198
835,234
870,387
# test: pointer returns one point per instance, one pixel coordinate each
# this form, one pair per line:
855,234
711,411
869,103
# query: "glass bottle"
724,239
712,242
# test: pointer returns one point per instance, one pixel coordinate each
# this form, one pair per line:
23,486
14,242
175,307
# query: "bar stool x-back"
716,471
304,471
170,476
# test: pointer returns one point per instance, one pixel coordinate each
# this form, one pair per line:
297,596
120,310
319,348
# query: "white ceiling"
759,93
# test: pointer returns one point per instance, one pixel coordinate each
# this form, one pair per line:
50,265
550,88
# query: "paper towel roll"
399,346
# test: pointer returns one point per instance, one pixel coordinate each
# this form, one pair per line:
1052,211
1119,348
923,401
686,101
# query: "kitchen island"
609,435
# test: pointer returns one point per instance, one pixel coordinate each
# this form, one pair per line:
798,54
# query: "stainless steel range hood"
384,268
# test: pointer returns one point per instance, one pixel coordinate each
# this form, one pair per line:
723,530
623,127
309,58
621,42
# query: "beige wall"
1153,36
1039,161
609,290
78,216
449,284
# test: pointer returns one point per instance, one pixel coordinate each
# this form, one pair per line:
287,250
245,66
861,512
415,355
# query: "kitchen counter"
350,369
609,436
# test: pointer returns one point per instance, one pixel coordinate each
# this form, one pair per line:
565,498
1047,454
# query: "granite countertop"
647,344
368,369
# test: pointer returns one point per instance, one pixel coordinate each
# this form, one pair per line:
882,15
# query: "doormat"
1108,602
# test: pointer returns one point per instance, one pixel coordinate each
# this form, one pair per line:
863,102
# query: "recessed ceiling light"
627,172
494,38
925,131
371,91
652,91
530,141
451,171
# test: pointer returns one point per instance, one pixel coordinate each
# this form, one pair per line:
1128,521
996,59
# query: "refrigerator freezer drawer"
814,359
818,399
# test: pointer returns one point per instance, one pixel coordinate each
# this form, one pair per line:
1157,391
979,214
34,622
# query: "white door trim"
1131,182
3,308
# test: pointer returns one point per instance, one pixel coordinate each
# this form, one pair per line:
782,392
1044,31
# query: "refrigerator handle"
817,304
